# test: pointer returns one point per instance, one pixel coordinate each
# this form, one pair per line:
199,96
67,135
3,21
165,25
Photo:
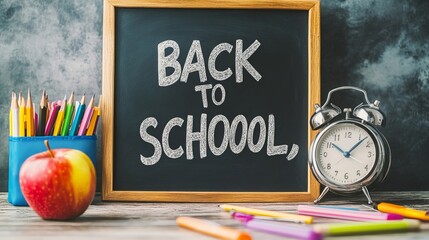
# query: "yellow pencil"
273,214
11,117
15,116
60,117
21,103
29,113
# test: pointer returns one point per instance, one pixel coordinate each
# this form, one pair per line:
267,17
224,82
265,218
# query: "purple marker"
284,229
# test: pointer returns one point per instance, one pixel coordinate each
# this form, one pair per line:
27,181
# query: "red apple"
58,184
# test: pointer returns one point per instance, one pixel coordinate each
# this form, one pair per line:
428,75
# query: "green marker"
68,115
357,228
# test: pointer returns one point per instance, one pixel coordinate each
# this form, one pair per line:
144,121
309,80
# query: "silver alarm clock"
349,153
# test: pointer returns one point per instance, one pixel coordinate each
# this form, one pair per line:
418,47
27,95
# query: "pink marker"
353,215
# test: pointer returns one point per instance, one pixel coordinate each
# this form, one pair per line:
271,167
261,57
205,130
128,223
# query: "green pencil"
68,115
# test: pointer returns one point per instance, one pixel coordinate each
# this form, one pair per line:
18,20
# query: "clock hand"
339,160
346,154
356,159
356,145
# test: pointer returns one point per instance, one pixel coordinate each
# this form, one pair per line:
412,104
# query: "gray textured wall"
381,46
47,44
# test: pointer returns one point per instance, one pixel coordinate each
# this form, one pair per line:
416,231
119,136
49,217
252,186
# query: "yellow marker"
403,211
212,229
338,229
266,213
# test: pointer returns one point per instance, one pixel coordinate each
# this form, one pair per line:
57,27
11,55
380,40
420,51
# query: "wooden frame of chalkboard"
121,179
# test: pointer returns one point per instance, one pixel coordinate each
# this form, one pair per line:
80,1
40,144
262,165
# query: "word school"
207,136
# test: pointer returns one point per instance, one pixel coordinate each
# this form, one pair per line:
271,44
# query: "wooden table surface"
114,220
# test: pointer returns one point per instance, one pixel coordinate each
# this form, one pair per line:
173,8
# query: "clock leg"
326,190
366,192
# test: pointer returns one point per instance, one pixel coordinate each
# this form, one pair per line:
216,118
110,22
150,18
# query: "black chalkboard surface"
208,104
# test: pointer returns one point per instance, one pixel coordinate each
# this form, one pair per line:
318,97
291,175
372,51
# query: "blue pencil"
78,117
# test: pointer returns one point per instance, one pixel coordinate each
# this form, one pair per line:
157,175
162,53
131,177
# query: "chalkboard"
209,102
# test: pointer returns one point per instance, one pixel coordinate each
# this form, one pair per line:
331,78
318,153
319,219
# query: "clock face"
346,153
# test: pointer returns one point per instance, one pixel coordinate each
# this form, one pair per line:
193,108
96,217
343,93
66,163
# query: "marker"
266,213
211,228
247,217
284,229
68,114
403,211
367,227
346,214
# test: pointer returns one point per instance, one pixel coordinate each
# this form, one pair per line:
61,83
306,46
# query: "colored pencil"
212,229
14,109
21,103
94,120
345,214
60,117
42,115
86,118
52,117
29,113
266,213
68,115
80,110
357,228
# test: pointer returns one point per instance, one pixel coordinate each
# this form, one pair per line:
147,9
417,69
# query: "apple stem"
49,148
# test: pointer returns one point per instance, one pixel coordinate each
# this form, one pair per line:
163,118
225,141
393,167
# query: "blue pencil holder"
21,148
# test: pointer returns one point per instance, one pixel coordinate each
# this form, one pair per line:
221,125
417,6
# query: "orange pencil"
94,119
212,229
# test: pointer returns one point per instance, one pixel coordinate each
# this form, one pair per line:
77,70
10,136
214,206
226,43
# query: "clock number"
369,154
346,176
328,166
366,167
368,144
329,145
348,135
325,154
358,172
336,172
337,137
